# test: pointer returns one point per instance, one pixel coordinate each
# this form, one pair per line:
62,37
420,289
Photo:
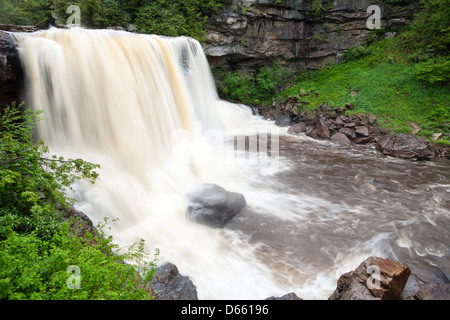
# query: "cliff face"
297,33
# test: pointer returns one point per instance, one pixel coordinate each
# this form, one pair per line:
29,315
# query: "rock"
340,137
213,206
362,140
247,33
339,121
289,296
297,128
350,125
414,127
372,119
437,136
11,72
169,284
362,130
435,292
349,106
374,279
283,120
405,146
322,129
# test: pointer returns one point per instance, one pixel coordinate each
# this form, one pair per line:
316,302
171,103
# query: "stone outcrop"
374,279
296,33
213,206
11,73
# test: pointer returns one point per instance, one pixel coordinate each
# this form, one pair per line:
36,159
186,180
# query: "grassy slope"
386,87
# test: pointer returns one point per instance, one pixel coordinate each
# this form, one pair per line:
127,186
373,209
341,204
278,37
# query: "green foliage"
36,244
435,70
382,84
33,185
163,17
35,269
252,88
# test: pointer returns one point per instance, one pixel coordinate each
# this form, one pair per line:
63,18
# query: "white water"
141,106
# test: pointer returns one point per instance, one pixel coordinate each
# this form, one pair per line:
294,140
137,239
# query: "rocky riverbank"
337,125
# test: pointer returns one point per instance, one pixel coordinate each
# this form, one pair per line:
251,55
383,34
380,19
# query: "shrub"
36,244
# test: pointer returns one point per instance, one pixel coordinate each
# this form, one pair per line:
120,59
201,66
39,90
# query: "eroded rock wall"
297,33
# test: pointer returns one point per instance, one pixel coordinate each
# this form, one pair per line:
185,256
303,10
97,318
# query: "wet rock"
297,128
169,284
405,146
340,137
213,206
374,279
435,292
289,296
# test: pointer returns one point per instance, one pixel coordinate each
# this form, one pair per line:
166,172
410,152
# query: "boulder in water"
213,206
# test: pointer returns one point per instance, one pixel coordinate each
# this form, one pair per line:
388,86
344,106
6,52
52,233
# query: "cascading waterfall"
145,108
124,101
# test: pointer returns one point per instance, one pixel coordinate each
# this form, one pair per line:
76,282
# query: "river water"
145,108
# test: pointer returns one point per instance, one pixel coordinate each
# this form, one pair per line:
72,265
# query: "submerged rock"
375,279
213,206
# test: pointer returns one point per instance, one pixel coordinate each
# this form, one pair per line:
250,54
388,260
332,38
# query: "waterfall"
124,101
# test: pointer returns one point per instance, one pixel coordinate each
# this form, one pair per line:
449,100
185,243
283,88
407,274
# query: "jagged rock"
374,279
289,296
297,128
340,137
405,146
169,284
213,206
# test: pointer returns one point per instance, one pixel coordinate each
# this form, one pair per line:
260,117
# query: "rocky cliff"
297,33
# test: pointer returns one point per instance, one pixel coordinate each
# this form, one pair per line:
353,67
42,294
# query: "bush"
36,244
435,70
249,88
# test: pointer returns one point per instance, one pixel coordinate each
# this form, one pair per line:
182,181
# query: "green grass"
386,86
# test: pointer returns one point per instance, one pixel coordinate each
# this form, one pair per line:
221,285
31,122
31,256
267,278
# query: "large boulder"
169,284
405,146
213,206
374,279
